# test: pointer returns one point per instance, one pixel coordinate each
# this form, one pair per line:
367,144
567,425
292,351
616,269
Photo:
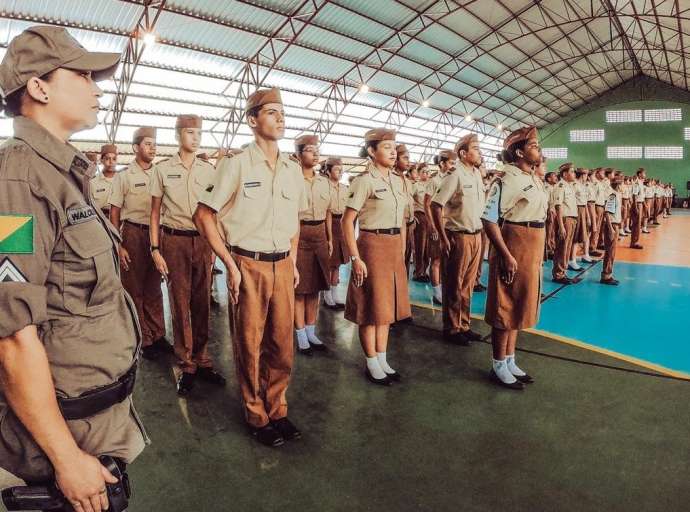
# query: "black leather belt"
260,256
337,215
311,222
527,224
92,402
143,227
463,232
180,232
591,202
388,231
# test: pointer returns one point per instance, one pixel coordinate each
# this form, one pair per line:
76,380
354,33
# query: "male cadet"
183,257
68,330
102,183
261,192
566,220
637,210
130,212
459,201
612,222
601,187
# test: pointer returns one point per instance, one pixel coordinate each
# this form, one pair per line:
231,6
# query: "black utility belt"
92,402
527,224
260,256
464,232
387,231
143,227
311,222
179,232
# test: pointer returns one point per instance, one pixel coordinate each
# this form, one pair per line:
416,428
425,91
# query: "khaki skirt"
312,259
383,297
582,230
516,305
340,255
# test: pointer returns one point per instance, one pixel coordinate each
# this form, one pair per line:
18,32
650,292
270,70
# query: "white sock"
437,292
328,298
381,356
311,336
302,341
513,368
573,263
375,368
502,372
334,294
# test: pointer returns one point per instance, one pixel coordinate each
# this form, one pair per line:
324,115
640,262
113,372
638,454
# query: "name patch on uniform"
16,234
101,190
381,190
252,184
467,186
527,188
139,185
174,175
80,214
9,273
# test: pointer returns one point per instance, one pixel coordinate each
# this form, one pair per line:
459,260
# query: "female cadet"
102,184
377,294
611,224
421,232
550,181
514,221
445,160
412,177
315,245
67,324
339,256
402,166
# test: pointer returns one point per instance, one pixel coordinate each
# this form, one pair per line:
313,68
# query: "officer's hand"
509,269
330,248
125,260
234,281
295,273
434,235
160,263
83,483
360,271
445,245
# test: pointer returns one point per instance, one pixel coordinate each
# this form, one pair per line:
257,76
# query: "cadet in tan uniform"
648,204
412,177
181,255
339,255
626,195
421,232
262,192
130,212
637,208
581,227
514,221
612,221
315,245
599,187
459,200
550,181
402,166
377,295
566,222
67,325
446,161
102,183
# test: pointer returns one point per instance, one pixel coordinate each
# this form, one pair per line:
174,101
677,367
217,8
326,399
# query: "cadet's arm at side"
205,221
437,219
493,232
28,386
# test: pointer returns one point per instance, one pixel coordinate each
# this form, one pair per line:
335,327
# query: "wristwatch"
153,248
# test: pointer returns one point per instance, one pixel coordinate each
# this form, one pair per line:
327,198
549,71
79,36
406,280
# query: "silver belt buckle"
256,256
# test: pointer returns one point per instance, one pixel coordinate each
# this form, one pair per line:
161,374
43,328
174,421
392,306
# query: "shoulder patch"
9,273
16,234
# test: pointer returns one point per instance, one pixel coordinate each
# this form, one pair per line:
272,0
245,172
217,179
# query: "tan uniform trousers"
459,275
340,255
610,237
409,245
143,282
261,325
649,208
421,235
551,225
636,215
189,283
625,213
482,252
595,235
564,246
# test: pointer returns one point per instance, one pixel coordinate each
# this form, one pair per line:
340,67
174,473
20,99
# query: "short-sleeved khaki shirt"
461,193
101,187
614,206
339,191
581,193
261,205
591,191
434,182
566,199
638,191
131,194
319,198
602,187
58,258
380,200
418,192
517,196
180,189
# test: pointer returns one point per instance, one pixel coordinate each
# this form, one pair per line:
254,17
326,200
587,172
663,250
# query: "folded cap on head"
333,161
263,97
108,148
566,166
188,121
307,140
41,49
379,134
520,135
143,132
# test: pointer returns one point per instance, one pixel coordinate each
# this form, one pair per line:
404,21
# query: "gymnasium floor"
593,433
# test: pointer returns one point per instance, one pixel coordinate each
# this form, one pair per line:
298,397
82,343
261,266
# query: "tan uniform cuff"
24,304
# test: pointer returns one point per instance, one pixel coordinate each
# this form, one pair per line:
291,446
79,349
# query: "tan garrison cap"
401,149
143,132
188,121
379,134
262,97
93,157
333,161
466,141
42,49
307,140
108,148
565,166
524,133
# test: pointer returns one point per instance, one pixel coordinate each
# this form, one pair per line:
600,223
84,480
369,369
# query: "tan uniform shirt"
581,193
626,191
591,191
100,190
262,204
552,195
613,205
131,194
565,199
418,192
548,189
409,189
517,196
638,191
319,198
339,192
461,193
380,200
433,183
648,191
180,189
61,273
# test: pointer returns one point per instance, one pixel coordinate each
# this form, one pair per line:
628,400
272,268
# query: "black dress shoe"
333,307
381,382
305,351
562,280
610,281
211,375
286,429
318,347
596,254
163,346
517,385
525,379
421,279
268,436
457,338
185,383
437,302
151,352
472,336
479,287
395,376
636,246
